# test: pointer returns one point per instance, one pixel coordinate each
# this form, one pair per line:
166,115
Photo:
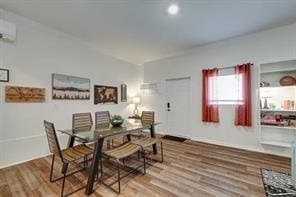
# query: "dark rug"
277,184
174,138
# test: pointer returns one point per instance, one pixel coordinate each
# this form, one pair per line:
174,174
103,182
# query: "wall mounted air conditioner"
7,31
151,88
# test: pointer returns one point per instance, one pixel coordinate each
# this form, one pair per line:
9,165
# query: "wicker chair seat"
145,142
76,152
122,151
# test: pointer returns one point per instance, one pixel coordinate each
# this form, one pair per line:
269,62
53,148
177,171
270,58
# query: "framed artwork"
4,75
67,87
16,94
105,95
123,93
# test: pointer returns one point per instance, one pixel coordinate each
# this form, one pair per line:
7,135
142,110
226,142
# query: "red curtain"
210,111
243,110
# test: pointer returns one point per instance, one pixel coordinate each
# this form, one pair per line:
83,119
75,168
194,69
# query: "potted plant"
117,120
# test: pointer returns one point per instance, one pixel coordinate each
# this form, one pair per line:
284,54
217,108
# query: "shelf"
279,71
279,86
276,143
277,110
279,127
277,98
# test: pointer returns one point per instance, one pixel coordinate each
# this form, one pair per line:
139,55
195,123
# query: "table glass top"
89,134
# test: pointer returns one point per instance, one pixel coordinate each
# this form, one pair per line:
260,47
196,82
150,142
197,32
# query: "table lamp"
136,100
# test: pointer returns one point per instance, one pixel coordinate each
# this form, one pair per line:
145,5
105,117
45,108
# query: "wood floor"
190,169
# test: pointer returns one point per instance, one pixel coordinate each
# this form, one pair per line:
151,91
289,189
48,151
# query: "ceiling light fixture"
173,9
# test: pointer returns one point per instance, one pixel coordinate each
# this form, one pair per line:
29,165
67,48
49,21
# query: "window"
226,89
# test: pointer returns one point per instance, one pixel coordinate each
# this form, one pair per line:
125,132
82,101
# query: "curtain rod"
229,67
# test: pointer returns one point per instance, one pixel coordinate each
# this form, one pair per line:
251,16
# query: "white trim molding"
215,142
22,149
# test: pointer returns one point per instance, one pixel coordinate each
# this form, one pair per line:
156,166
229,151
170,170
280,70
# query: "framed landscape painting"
70,88
105,95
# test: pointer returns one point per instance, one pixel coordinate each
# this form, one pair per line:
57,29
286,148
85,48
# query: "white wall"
38,52
269,46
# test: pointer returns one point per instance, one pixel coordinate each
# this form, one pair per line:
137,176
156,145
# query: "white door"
178,106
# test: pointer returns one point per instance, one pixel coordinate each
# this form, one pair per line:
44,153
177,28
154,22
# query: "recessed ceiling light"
173,9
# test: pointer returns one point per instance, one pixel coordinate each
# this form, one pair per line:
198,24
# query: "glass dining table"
97,134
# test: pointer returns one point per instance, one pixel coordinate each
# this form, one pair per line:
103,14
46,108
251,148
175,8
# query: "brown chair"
147,141
102,120
81,120
119,154
67,156
147,117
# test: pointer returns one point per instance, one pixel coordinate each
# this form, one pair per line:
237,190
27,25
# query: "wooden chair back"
147,117
102,119
52,139
81,120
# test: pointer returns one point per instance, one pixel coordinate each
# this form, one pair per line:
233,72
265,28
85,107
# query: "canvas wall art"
4,75
123,93
17,94
105,95
70,88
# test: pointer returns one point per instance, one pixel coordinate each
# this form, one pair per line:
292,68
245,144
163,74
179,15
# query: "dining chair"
119,154
102,120
147,117
81,120
70,155
146,141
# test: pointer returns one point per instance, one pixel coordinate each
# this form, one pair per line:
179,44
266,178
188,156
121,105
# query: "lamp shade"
136,100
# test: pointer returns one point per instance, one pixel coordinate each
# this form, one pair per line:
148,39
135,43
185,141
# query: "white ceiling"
140,30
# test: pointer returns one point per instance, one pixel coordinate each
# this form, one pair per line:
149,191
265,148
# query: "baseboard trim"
214,142
26,137
160,133
36,146
21,138
24,161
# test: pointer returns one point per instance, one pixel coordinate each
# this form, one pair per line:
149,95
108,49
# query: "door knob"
168,106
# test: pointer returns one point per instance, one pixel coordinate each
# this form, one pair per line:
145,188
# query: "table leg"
70,144
293,163
152,132
128,137
94,166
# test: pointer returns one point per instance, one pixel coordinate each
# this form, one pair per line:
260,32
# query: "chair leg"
97,175
108,144
63,184
51,169
144,161
118,178
101,165
161,149
64,175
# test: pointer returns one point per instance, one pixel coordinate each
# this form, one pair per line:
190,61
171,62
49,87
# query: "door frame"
166,101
